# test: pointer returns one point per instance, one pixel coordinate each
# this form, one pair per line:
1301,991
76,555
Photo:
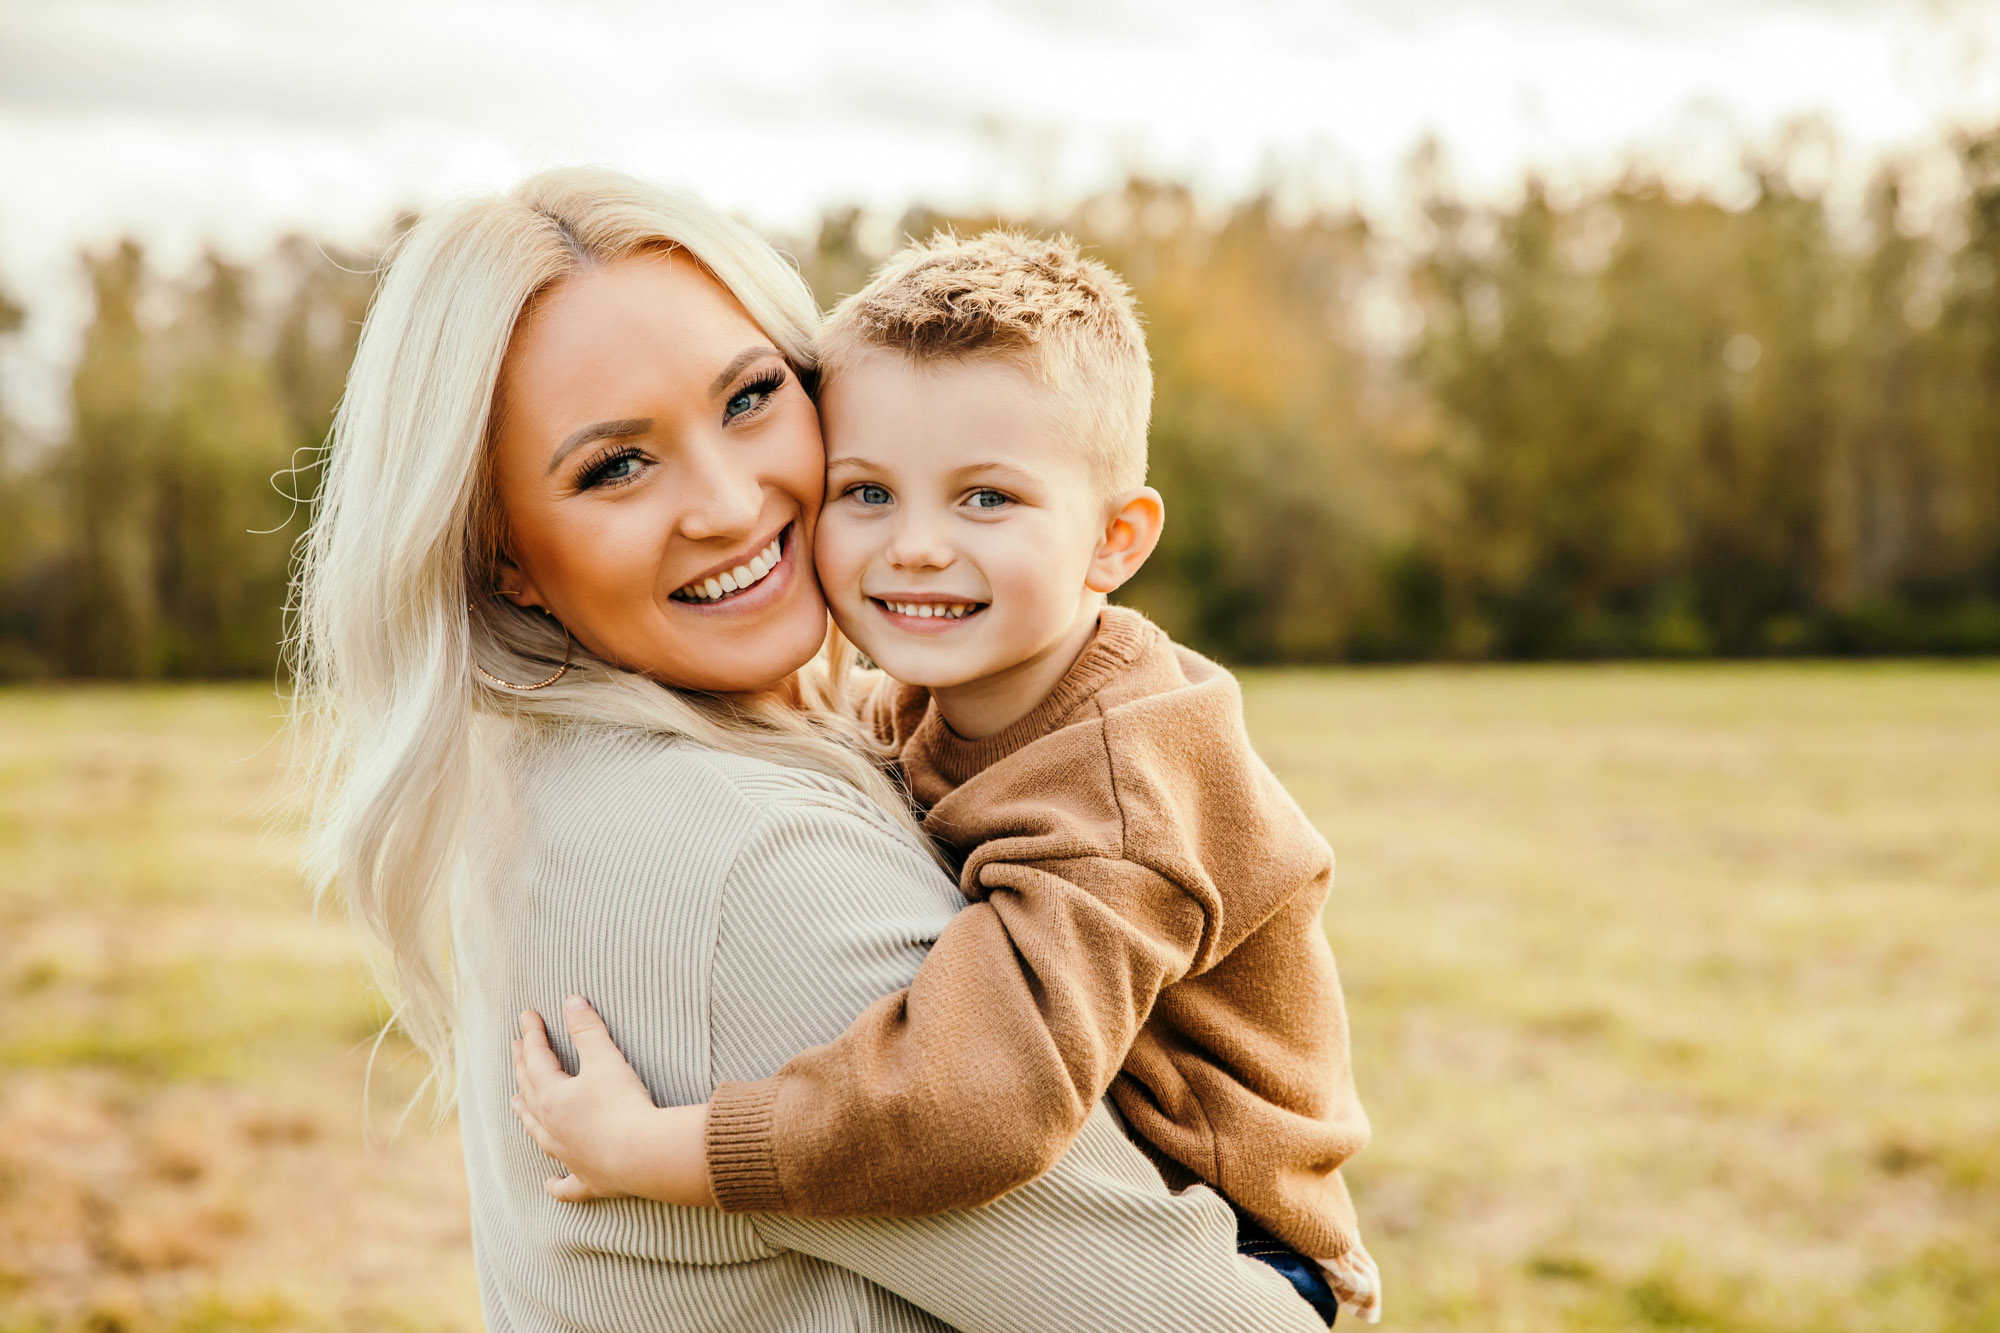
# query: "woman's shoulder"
592,767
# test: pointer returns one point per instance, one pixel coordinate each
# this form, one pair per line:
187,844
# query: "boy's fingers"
587,1029
567,1189
527,1078
537,1057
531,1123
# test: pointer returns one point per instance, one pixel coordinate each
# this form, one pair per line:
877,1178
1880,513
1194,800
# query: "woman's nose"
720,499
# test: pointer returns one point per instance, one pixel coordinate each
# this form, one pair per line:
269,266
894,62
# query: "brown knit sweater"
1145,918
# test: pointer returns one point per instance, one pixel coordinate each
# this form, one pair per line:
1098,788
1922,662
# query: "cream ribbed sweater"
724,914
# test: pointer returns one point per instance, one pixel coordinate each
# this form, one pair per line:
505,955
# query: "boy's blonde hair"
1033,302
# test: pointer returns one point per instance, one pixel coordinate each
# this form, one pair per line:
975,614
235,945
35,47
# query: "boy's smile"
961,540
923,613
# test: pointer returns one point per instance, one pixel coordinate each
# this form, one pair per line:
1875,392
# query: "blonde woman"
564,656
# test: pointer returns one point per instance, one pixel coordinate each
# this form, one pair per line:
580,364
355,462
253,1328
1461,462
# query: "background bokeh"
1580,419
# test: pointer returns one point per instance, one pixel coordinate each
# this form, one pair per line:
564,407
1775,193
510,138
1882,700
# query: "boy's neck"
987,706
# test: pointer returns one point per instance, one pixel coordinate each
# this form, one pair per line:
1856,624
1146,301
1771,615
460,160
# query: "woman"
559,622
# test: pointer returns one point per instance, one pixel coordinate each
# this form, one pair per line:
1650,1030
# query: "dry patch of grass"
1675,1000
182,1139
1676,991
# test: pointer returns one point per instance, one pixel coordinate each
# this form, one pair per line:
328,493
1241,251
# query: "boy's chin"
915,666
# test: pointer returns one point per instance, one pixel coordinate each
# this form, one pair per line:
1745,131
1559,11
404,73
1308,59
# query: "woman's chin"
725,655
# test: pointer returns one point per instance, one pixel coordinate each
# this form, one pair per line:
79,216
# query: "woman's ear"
515,585
1130,535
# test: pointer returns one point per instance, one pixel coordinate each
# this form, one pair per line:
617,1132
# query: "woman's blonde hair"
403,738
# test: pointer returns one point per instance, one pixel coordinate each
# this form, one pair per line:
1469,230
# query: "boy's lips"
926,612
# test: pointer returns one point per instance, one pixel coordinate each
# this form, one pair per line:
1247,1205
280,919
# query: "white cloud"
233,120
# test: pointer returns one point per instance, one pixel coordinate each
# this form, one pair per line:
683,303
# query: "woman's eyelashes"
750,399
616,468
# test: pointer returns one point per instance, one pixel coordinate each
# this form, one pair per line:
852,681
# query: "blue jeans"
1305,1276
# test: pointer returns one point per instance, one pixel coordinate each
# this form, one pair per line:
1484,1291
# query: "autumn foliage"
1618,422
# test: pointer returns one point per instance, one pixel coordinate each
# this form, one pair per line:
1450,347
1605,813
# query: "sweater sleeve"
823,911
974,1078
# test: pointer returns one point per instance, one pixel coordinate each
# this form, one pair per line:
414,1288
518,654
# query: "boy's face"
950,492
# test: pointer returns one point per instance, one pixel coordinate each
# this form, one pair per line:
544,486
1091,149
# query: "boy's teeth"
737,579
933,610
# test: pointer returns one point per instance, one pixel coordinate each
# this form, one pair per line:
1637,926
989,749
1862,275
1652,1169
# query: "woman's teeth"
934,610
736,580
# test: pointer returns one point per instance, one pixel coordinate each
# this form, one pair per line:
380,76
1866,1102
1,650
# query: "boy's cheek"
833,554
839,565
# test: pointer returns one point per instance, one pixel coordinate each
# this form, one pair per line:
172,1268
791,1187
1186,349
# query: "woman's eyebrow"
736,364
603,430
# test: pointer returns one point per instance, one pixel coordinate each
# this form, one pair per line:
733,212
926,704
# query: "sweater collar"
1118,641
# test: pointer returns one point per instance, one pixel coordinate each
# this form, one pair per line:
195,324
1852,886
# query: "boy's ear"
1130,535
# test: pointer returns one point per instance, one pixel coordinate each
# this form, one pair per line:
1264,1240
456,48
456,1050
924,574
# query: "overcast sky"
229,121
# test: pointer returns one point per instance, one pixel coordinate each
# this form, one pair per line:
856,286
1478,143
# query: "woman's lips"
749,584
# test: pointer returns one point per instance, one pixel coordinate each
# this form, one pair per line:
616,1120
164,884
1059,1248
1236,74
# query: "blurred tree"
164,551
18,522
1277,494
100,606
1624,421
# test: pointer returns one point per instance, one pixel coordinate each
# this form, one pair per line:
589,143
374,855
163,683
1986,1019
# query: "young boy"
1145,898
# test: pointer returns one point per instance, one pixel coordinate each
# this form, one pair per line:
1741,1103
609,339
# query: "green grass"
1676,1004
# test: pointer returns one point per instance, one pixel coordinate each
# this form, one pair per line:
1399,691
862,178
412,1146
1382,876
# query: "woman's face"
659,467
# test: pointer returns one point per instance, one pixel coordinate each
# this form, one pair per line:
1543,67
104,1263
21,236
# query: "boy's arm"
975,1078
947,1094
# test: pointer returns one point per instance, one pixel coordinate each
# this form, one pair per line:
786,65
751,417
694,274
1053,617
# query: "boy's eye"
987,499
869,493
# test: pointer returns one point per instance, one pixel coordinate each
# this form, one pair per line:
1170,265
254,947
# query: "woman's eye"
752,396
984,499
871,494
622,467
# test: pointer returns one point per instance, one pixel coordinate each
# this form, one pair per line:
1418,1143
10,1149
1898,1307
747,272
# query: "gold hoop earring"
569,653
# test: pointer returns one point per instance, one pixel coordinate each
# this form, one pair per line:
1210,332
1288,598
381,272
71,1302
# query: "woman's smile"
746,584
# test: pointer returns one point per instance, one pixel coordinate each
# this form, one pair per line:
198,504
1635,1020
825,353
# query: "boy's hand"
1356,1283
602,1124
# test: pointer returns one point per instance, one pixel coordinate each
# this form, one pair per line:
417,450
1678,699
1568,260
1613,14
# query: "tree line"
1623,421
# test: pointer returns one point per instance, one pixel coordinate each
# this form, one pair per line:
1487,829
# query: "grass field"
1676,995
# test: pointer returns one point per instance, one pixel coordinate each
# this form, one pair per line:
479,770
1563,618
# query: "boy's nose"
917,546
